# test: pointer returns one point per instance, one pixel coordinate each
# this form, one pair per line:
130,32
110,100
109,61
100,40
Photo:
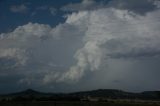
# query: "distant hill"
30,94
119,94
108,93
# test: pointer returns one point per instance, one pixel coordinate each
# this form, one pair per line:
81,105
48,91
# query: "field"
52,103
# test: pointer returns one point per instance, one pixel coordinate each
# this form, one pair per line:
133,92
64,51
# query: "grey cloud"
156,3
45,8
84,5
140,7
53,10
101,45
41,50
134,39
42,7
7,64
19,8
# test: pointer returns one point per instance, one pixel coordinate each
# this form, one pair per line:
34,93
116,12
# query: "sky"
79,45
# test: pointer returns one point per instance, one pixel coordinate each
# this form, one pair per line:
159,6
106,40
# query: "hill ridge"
99,93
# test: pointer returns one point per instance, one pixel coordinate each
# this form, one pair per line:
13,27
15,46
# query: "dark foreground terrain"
101,97
77,103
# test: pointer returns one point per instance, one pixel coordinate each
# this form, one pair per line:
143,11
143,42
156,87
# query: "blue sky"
9,19
74,45
40,12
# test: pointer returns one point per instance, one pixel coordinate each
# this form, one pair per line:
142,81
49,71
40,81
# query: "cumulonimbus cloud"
92,38
105,39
